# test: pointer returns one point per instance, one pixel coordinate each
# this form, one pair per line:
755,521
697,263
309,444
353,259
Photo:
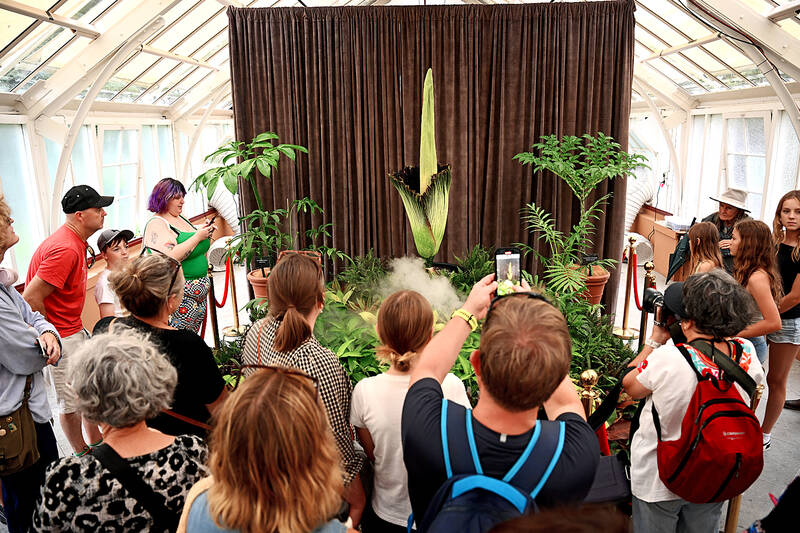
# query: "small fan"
217,253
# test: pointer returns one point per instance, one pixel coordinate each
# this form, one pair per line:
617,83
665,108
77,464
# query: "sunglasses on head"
173,261
237,373
531,295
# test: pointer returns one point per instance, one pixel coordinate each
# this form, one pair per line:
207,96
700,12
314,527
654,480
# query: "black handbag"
18,445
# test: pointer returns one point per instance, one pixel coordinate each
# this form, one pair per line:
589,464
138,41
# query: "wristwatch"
467,316
653,344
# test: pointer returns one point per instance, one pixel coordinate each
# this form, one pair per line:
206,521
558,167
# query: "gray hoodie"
20,326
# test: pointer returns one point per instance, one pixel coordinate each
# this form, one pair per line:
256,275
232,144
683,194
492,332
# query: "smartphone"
507,270
212,220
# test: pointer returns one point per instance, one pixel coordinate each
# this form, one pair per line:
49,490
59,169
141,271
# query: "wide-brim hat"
110,235
673,299
734,197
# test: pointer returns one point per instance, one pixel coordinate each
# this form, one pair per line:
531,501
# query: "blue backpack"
472,502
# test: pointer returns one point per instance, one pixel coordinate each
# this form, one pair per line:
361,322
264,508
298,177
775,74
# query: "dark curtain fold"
347,84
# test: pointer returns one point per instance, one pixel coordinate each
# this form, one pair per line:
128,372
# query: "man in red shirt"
56,287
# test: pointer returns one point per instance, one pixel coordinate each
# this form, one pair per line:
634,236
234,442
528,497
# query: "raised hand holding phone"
507,270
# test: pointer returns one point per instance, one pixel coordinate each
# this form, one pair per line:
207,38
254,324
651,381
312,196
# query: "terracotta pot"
258,281
596,283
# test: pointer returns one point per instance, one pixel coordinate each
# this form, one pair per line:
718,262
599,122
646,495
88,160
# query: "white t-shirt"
672,381
377,405
105,295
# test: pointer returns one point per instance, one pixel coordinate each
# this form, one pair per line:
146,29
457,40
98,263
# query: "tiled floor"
781,462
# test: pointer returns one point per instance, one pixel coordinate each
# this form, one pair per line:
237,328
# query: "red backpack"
719,453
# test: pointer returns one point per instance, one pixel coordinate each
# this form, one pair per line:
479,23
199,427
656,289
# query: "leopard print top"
79,494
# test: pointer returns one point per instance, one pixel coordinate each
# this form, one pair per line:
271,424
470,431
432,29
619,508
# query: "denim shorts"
789,333
760,344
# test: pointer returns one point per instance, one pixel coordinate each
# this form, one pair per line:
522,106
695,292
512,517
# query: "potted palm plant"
582,163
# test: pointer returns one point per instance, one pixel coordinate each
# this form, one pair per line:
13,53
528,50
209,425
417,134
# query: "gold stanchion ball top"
632,240
649,266
589,379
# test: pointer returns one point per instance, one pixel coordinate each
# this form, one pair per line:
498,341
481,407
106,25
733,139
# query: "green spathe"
426,190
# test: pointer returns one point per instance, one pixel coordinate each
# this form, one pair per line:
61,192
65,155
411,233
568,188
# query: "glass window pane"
149,158
165,151
124,214
736,133
83,162
53,151
128,180
161,88
111,147
737,174
756,142
789,149
110,181
19,191
130,146
13,24
42,50
756,167
754,204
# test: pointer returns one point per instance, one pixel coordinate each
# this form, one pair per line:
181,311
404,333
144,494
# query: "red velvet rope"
632,263
228,269
203,327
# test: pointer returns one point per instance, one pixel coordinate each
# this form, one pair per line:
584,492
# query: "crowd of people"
161,443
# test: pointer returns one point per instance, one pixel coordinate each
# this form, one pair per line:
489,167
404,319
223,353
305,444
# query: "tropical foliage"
582,163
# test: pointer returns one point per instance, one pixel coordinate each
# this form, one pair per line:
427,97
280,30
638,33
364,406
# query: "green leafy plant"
264,235
352,338
362,276
425,190
582,163
257,308
259,154
478,263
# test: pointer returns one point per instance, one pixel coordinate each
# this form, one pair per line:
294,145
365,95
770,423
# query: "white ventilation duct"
222,200
640,191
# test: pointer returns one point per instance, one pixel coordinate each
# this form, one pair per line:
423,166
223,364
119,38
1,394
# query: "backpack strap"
539,459
458,442
729,365
153,503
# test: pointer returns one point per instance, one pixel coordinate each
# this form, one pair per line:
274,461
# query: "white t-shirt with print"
377,405
673,382
105,295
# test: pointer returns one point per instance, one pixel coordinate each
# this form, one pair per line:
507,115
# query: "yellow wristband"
467,316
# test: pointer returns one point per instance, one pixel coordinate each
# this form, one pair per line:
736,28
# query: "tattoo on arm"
154,238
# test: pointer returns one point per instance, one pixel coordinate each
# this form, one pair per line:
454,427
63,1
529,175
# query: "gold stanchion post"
236,330
735,503
649,283
588,394
212,307
625,332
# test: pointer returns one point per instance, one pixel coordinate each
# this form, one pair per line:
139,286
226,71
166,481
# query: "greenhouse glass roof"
186,58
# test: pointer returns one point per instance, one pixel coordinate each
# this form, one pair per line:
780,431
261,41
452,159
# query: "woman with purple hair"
171,233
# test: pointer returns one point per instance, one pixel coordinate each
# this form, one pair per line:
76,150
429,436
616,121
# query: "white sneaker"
767,442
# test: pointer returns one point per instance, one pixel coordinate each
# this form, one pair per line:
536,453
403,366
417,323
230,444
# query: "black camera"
653,303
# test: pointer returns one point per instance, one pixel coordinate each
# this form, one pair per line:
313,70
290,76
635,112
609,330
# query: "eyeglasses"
531,295
237,371
175,263
91,258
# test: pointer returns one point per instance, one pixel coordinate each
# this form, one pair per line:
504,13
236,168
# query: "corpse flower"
425,190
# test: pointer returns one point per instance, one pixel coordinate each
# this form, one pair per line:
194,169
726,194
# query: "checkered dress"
335,388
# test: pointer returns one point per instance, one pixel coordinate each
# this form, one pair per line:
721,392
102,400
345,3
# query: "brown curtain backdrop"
347,84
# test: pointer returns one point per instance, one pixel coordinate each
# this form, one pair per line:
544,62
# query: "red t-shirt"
61,261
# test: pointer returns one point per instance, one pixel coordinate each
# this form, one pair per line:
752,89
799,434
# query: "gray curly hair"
718,305
120,379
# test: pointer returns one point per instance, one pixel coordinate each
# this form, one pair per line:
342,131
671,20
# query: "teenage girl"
405,326
785,344
704,248
754,268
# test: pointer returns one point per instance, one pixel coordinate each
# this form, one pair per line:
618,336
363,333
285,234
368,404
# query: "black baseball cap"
673,299
110,235
82,197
